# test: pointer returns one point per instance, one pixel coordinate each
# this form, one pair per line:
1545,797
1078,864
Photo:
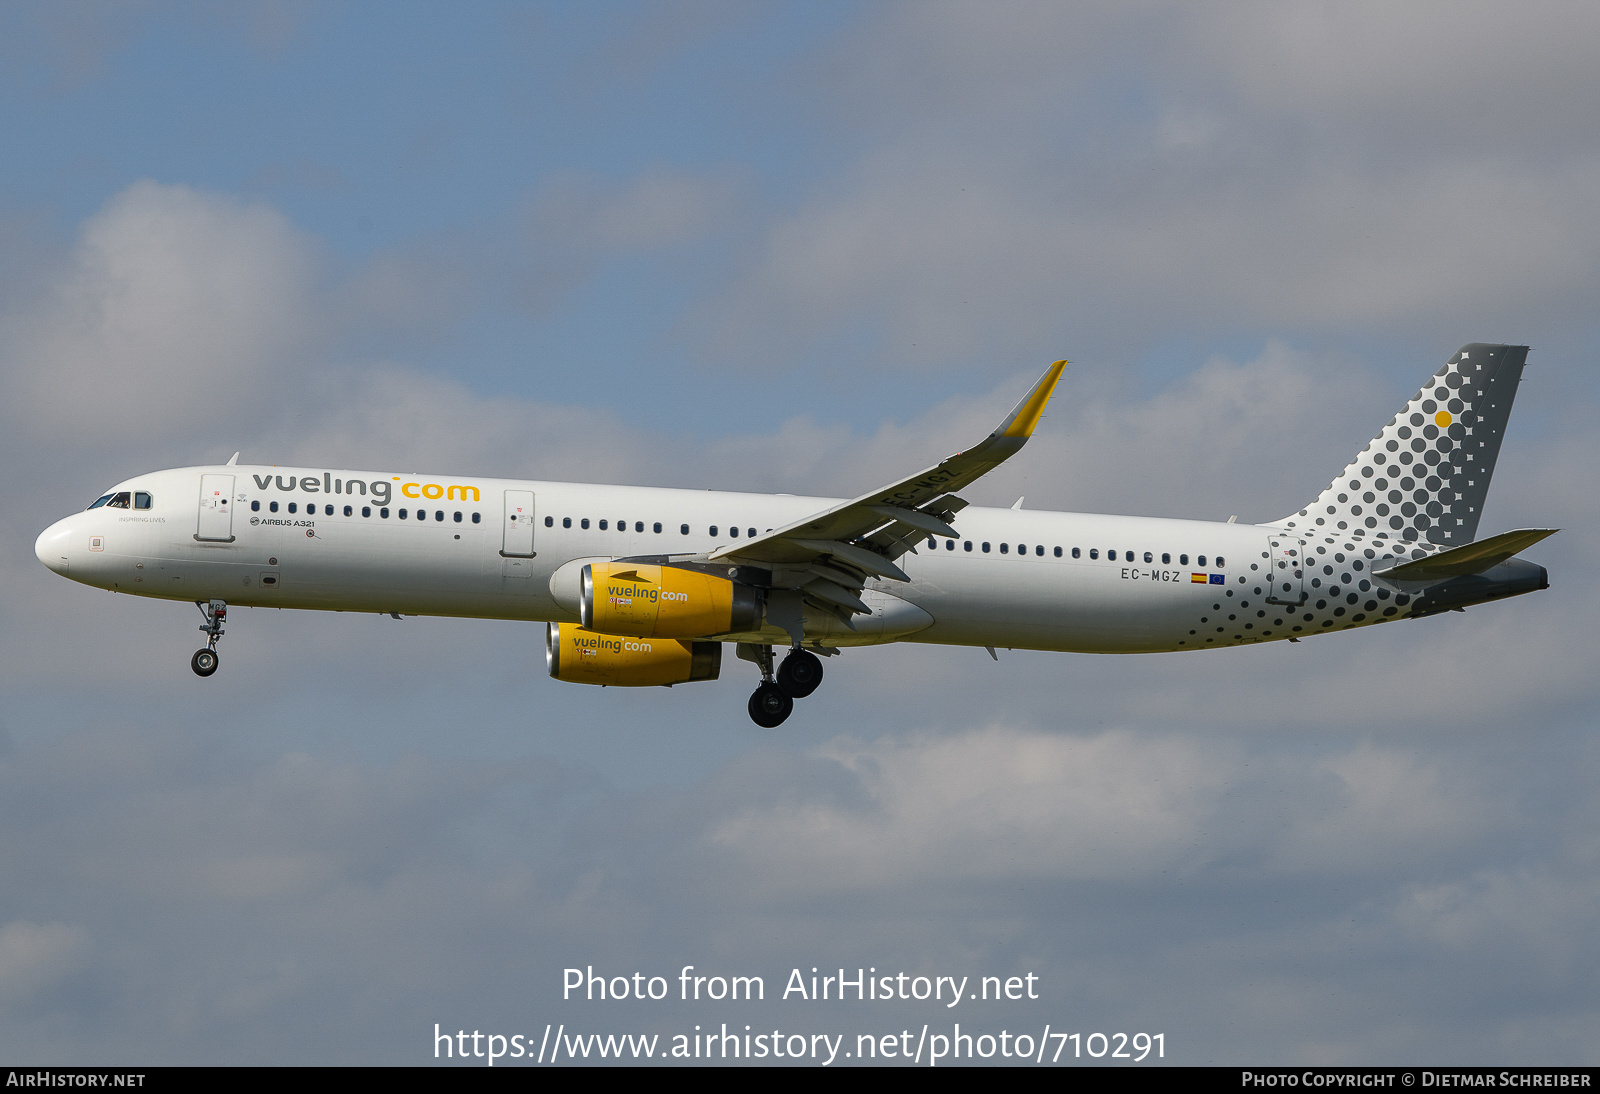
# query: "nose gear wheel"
204,662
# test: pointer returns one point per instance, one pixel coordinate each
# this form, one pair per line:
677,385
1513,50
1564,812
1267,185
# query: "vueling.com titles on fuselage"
380,490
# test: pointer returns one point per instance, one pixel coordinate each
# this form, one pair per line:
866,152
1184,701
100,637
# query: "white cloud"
1478,75
1001,804
1033,174
34,956
175,309
577,221
955,255
984,805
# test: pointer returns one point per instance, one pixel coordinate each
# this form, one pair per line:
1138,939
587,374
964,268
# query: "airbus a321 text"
640,586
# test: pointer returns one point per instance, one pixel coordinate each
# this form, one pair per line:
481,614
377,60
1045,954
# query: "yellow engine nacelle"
663,601
582,656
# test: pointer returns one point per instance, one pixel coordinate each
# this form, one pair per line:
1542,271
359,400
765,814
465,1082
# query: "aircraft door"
1286,558
516,534
216,509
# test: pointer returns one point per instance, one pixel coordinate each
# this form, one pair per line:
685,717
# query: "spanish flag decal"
1197,579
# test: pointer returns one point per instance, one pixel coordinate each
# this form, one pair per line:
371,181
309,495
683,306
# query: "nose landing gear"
204,662
796,678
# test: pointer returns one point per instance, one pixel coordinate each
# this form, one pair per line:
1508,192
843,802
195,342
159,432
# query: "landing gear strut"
796,678
204,662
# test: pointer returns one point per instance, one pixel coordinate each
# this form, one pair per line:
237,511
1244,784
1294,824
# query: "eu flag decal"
1216,579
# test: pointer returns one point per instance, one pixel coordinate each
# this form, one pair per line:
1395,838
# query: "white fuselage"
1016,578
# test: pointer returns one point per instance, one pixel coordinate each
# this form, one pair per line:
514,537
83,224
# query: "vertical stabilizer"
1425,477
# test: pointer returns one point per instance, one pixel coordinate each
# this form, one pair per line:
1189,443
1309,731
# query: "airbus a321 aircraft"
645,587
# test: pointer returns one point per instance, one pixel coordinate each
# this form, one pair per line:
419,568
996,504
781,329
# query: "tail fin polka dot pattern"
1423,479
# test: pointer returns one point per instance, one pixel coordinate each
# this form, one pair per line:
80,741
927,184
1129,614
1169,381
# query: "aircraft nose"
52,546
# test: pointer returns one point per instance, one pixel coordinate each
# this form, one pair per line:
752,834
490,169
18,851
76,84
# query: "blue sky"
811,245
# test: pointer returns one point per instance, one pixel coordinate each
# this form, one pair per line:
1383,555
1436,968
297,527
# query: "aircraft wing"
829,555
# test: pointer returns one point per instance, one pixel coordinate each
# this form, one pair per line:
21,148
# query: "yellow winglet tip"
1026,417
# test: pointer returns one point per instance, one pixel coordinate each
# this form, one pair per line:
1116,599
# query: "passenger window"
384,513
604,526
584,523
933,544
102,500
438,514
549,522
1183,560
658,527
1074,552
141,500
566,522
458,516
478,517
986,548
1166,559
1148,557
1200,560
1220,562
255,507
292,508
1111,556
713,529
349,510
1094,552
949,545
751,532
402,512
119,501
1039,550
328,510
734,532
967,546
366,510
683,529
638,526
1004,549
272,507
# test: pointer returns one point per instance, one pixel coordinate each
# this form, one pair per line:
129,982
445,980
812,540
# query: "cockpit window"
98,502
120,500
141,500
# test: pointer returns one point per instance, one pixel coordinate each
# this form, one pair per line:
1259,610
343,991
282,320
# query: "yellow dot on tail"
1442,419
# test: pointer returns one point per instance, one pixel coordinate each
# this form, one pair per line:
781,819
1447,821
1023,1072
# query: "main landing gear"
796,678
204,662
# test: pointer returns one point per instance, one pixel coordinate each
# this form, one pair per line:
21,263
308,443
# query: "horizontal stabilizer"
1474,558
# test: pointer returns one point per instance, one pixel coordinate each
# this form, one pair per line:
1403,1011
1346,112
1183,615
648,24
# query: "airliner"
645,587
